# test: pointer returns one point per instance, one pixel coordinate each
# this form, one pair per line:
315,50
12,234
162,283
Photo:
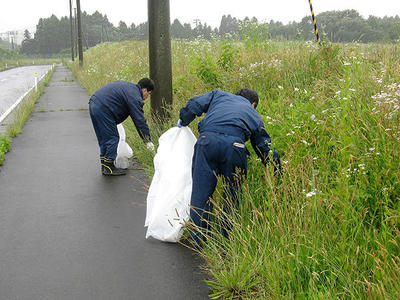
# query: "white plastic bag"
169,194
124,151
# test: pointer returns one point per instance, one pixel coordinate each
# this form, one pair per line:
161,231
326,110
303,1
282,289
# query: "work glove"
179,124
276,160
150,146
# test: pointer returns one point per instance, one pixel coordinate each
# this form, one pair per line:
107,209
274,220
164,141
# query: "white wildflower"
310,194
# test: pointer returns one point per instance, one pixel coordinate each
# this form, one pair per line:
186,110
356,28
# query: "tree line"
53,35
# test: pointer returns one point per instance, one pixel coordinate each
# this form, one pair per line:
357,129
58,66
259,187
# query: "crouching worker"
111,105
230,121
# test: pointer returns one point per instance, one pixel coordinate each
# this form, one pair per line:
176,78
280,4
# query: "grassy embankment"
329,228
21,115
8,63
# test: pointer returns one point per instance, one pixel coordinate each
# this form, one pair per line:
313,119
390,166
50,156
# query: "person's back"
230,114
118,96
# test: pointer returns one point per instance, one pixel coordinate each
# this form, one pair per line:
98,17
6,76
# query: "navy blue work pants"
215,154
105,128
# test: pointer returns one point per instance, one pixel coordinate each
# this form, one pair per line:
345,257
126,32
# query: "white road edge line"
10,109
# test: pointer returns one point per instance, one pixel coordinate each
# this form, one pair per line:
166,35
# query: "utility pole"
160,57
72,31
78,6
76,32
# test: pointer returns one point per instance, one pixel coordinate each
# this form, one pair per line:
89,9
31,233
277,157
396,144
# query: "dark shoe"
109,169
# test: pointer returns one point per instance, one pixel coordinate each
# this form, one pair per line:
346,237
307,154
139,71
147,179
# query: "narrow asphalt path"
66,231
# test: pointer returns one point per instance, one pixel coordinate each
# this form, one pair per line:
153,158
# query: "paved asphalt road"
66,231
16,82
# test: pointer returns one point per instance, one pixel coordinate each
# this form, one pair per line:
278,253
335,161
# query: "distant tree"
207,32
188,30
229,26
142,31
27,35
253,31
52,34
124,32
177,30
343,26
47,35
28,45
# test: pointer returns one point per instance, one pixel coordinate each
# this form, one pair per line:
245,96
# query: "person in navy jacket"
111,105
230,121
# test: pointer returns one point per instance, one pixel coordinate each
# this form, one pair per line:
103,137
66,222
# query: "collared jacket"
230,114
124,99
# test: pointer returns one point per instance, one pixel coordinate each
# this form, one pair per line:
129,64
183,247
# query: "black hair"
249,94
146,83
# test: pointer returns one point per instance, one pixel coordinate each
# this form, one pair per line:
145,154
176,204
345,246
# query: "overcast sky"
22,14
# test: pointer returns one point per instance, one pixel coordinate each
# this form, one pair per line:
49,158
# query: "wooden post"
72,31
76,32
78,6
160,57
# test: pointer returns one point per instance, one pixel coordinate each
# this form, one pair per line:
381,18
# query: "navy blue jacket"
230,114
124,99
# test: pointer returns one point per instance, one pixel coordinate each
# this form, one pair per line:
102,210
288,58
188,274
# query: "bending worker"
230,121
111,105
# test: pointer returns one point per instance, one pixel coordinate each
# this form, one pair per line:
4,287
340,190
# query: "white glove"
150,146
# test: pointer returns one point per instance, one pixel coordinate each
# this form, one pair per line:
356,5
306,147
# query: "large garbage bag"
124,151
169,194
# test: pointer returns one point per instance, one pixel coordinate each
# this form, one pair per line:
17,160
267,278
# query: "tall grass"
329,226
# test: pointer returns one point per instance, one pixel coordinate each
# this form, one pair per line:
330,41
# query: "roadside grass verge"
7,64
21,115
329,227
4,147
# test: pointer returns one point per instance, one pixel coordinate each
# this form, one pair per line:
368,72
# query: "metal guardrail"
9,111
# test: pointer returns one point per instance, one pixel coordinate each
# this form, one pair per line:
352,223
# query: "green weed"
330,226
4,146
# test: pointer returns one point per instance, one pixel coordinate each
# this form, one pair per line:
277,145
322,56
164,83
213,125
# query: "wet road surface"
16,82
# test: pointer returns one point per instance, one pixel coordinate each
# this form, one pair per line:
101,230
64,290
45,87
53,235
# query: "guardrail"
4,118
